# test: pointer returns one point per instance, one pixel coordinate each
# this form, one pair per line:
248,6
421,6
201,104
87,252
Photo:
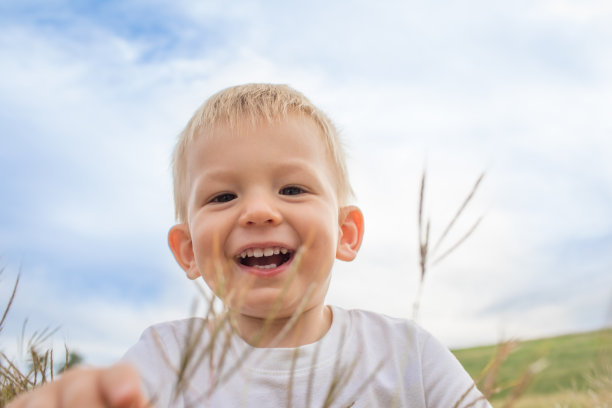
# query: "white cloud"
471,92
578,12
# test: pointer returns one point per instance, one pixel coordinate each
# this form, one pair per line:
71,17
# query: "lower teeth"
266,266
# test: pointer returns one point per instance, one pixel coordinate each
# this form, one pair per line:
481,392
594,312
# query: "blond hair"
254,103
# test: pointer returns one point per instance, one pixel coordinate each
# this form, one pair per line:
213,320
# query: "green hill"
577,367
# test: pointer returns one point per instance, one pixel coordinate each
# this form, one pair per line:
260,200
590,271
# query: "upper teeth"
259,252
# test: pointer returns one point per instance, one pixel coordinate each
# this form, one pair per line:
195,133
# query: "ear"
179,240
351,233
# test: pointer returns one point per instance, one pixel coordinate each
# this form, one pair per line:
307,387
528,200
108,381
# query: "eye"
292,190
223,198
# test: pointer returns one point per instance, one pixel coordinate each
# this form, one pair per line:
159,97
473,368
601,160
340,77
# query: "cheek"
207,240
209,259
319,228
323,233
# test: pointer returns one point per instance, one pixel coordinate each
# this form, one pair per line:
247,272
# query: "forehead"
294,136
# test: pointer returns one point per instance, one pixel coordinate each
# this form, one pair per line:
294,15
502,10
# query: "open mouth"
264,258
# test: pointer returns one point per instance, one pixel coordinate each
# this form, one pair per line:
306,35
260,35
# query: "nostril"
259,215
267,221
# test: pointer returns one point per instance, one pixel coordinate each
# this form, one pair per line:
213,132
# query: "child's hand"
117,387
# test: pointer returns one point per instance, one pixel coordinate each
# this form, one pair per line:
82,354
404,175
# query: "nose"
259,210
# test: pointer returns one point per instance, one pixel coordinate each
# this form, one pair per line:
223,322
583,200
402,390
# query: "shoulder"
430,370
364,322
400,337
175,330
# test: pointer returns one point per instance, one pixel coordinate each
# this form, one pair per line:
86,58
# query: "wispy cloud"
92,96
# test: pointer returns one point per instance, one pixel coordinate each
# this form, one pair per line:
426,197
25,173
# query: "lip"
265,273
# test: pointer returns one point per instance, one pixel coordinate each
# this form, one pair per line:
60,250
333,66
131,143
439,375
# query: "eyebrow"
296,165
286,167
202,178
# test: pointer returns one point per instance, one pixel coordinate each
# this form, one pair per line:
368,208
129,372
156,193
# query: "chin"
260,306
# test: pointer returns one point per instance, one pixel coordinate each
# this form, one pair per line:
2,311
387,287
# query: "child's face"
268,191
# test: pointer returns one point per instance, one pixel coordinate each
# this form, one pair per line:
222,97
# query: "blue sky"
92,95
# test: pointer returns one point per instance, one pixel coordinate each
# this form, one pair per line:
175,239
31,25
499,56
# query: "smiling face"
257,196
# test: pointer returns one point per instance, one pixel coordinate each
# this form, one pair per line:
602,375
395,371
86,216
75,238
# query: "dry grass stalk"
459,212
311,375
220,327
341,375
212,335
11,300
600,379
428,254
600,388
15,380
522,382
488,380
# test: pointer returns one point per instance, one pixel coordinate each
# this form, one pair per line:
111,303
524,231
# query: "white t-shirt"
364,360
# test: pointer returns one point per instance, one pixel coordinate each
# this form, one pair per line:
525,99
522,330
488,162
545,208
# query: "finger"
80,389
120,385
45,396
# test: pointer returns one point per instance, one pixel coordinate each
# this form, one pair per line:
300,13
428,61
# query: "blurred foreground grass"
578,371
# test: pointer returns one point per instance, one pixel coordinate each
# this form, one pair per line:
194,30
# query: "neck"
284,332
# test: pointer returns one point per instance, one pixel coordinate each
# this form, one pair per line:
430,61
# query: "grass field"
577,371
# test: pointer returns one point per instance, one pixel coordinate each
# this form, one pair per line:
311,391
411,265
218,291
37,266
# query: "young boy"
262,203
